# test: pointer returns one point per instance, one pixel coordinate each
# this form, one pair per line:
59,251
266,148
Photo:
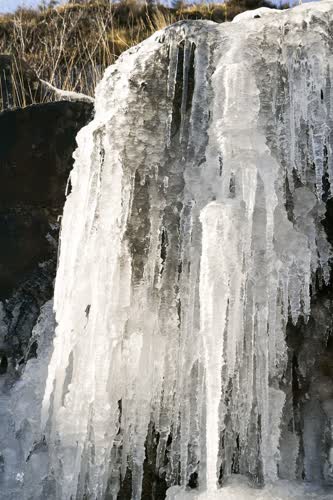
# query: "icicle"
182,260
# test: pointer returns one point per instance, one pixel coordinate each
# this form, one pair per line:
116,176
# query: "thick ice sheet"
191,236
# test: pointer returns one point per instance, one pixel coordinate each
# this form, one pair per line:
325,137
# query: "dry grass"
71,45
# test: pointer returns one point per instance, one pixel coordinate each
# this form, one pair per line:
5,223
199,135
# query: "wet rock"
36,147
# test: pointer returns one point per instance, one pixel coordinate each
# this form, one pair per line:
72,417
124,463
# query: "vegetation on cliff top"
71,45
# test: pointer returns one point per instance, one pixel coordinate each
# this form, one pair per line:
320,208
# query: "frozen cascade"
191,236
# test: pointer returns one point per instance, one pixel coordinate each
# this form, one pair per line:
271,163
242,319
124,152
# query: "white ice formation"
65,95
23,449
191,237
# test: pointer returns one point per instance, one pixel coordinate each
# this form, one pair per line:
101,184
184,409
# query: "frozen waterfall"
191,238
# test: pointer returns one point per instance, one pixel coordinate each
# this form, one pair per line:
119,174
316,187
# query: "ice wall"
191,236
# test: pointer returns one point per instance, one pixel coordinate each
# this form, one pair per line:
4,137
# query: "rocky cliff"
36,147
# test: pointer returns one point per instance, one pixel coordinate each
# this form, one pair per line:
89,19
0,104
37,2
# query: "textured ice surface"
237,488
192,234
23,450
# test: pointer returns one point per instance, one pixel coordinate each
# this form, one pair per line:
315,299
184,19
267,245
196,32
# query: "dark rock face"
309,404
36,147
